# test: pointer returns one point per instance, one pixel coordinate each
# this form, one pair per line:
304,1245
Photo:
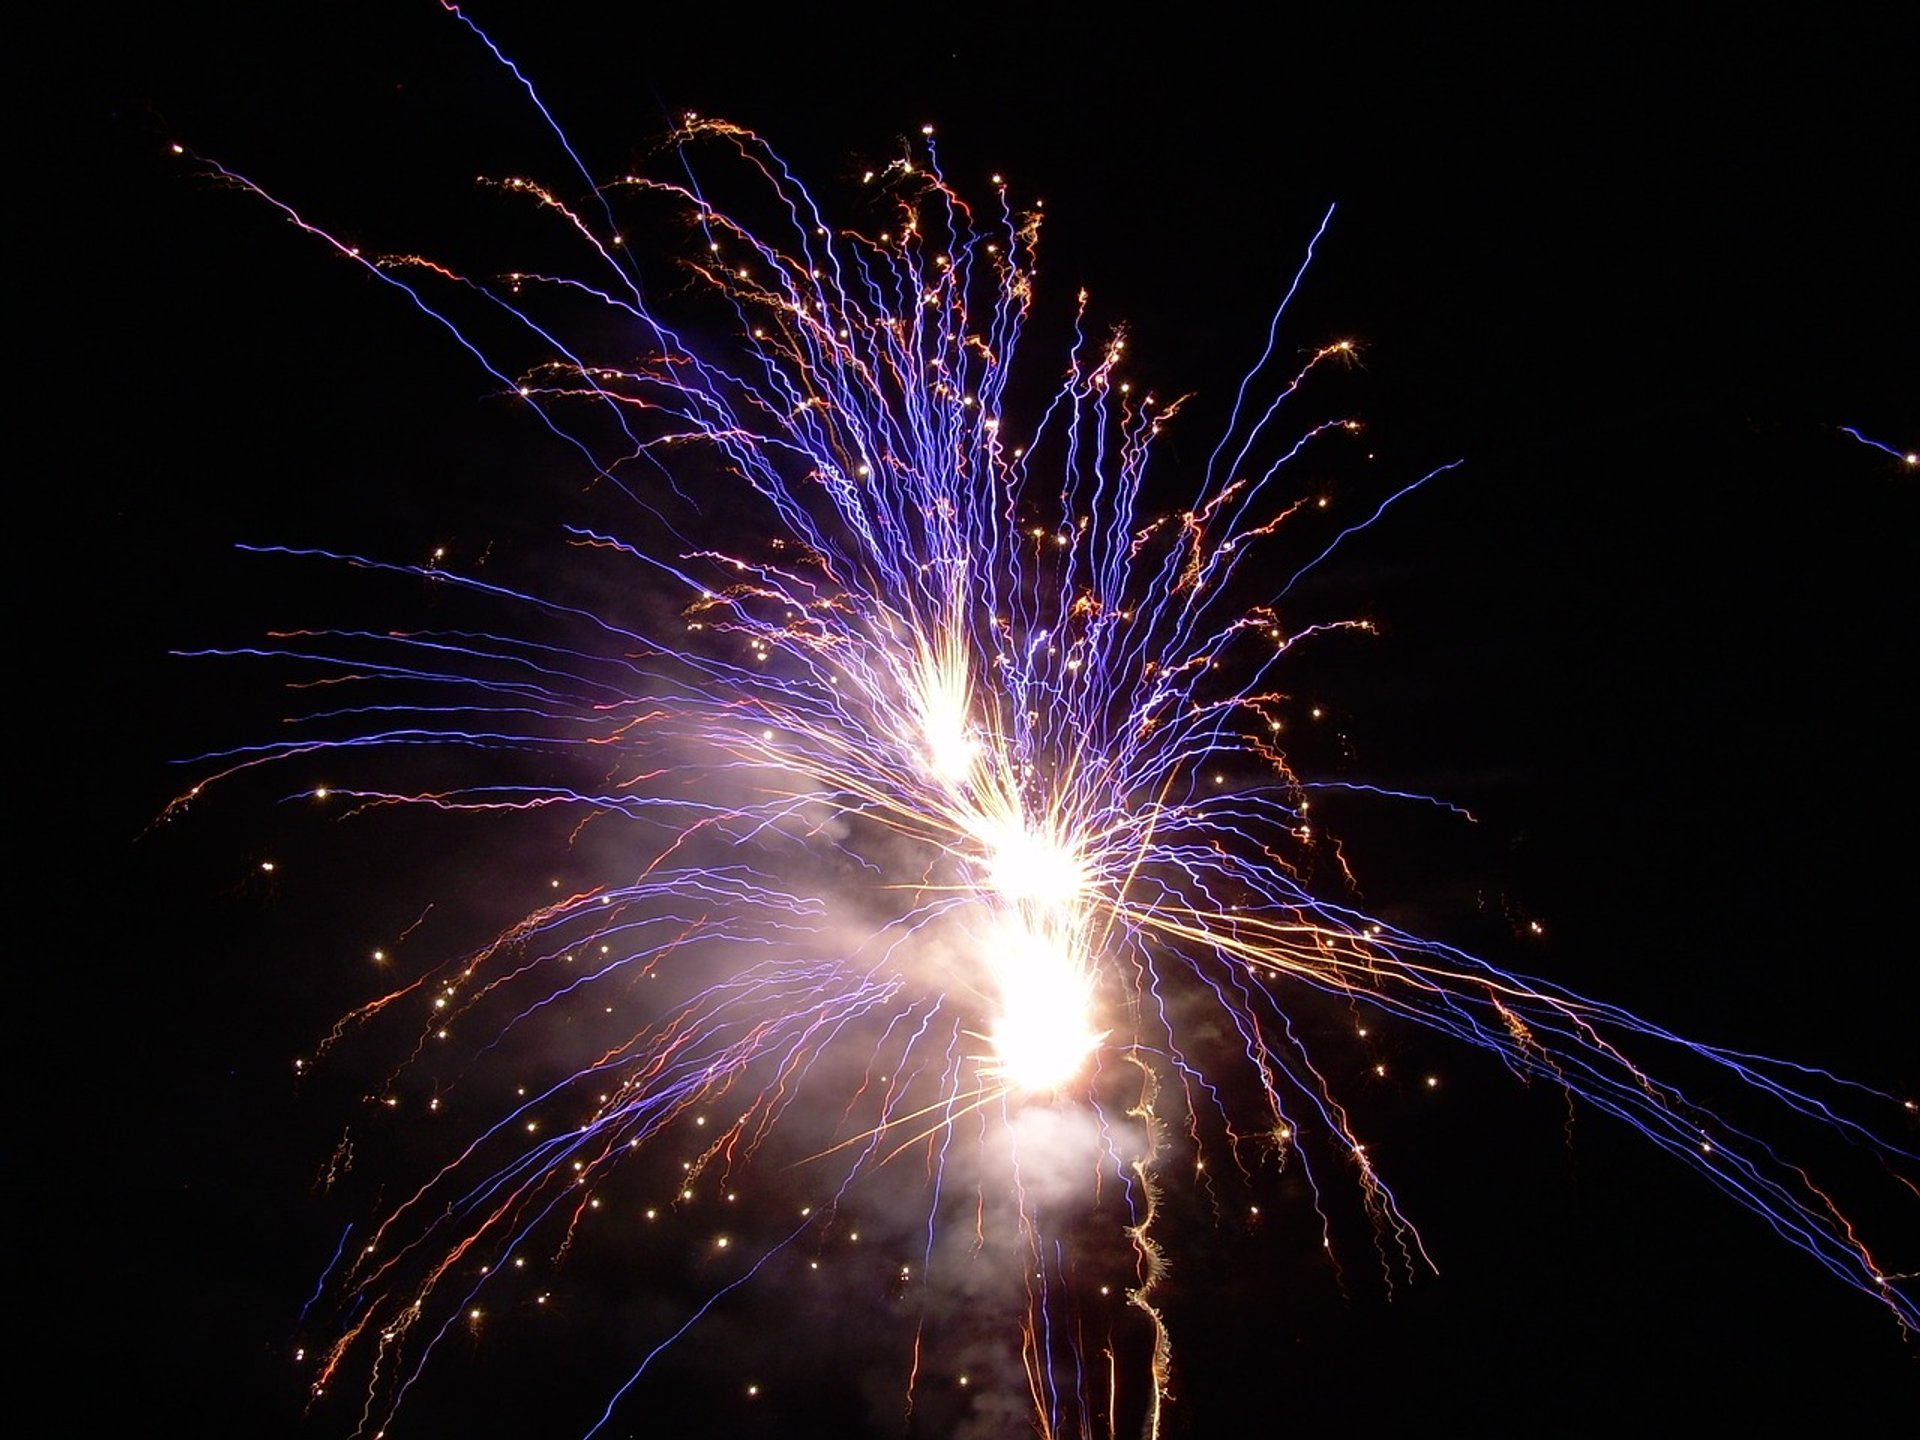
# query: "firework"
963,851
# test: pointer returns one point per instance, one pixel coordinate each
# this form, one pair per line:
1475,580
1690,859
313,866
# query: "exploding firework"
963,855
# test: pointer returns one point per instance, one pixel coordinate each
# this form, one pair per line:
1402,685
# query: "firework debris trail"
1031,722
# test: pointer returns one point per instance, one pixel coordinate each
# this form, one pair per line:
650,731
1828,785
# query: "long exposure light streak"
1905,457
952,778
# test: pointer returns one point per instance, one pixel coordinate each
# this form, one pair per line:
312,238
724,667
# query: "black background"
1636,272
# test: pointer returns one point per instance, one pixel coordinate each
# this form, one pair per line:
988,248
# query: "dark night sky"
1654,631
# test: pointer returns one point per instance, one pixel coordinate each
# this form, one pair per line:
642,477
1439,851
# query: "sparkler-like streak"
956,796
1906,457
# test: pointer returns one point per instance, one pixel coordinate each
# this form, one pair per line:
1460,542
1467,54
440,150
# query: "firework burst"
961,850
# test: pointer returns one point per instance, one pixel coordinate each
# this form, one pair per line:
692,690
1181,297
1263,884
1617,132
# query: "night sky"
1654,633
